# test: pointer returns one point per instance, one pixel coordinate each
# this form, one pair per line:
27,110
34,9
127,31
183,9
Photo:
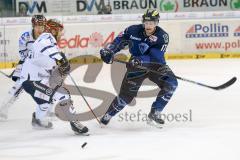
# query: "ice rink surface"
212,132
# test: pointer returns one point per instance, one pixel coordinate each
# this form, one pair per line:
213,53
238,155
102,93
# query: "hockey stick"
84,98
220,87
8,76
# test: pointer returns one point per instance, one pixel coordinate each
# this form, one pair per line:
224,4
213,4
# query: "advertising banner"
9,42
81,7
1,44
215,38
218,36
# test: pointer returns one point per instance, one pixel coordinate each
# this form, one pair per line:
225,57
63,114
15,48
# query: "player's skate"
78,128
9,100
105,119
40,124
4,108
51,114
3,115
154,119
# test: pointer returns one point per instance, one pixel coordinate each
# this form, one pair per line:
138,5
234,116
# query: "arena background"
203,30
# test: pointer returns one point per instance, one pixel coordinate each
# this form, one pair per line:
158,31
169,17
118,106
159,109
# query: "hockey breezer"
220,87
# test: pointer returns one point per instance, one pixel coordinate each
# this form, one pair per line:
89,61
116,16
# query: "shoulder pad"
162,35
135,27
46,36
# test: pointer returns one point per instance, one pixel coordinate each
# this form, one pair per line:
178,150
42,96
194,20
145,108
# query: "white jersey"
25,44
42,60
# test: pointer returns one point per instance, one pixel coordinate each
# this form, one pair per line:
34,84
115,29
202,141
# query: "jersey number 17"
164,47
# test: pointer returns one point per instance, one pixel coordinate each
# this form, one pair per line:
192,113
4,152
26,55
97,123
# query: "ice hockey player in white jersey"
26,40
42,77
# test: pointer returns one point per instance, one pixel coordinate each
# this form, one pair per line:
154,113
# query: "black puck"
84,144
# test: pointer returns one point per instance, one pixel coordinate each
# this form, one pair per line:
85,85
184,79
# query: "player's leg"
9,100
60,98
13,93
130,85
39,117
63,99
168,84
42,95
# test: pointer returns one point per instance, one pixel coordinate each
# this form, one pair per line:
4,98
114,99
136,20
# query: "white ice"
213,133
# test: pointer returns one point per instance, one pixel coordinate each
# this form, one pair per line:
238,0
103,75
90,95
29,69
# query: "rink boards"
189,39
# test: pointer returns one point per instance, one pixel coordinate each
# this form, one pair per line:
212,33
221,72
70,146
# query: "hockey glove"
134,62
17,71
63,65
107,55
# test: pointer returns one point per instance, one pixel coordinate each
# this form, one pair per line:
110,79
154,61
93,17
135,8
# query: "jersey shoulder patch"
162,35
26,36
153,38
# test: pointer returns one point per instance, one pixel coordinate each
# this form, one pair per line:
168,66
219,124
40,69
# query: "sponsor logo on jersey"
143,47
49,91
135,38
153,38
25,36
237,32
208,31
38,86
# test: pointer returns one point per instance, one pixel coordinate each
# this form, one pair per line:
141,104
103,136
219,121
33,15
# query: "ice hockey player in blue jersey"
147,45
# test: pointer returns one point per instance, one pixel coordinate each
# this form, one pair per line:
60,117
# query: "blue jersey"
148,48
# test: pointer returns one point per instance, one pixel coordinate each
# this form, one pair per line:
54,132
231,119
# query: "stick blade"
225,85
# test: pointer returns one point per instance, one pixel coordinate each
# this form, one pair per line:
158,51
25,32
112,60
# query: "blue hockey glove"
106,55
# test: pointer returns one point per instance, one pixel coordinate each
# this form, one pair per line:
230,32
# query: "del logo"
237,32
206,31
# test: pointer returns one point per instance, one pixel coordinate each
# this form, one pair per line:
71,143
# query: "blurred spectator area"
7,8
